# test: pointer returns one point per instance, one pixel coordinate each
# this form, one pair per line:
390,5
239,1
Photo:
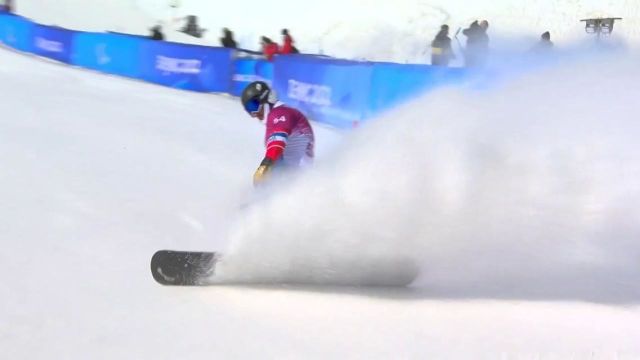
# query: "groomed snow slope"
520,202
524,222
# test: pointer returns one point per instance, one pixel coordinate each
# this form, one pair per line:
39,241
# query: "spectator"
477,49
544,45
156,33
287,43
227,39
441,51
8,6
192,28
269,48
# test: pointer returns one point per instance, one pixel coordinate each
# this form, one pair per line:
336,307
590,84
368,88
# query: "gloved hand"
262,173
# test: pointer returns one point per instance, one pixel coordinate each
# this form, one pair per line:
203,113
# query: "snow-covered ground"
383,30
520,203
107,15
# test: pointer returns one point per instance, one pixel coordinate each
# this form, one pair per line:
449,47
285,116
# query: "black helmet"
255,95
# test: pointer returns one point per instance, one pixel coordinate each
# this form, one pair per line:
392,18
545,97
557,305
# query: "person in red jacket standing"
289,137
269,48
287,43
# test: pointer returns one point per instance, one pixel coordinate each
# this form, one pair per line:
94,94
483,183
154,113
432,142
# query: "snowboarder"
441,51
289,138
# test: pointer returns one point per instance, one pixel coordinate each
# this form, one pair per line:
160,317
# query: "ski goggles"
252,106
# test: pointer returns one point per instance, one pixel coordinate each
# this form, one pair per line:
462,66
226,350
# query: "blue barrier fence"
329,90
392,84
188,67
337,92
16,32
248,70
53,42
108,53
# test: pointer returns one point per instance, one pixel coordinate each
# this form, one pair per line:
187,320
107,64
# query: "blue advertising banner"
127,34
16,32
53,42
188,67
246,71
109,53
392,84
327,90
338,92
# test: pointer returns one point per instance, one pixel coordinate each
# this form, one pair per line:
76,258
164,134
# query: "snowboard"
194,268
198,268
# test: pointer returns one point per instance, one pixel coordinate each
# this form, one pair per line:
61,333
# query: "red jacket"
287,47
270,50
289,136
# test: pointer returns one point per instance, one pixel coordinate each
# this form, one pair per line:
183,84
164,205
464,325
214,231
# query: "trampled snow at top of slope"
526,189
401,31
109,15
398,31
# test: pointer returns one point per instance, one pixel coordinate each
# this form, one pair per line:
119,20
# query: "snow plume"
527,189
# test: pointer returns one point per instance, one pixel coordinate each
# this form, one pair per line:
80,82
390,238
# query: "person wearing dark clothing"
544,45
441,51
227,39
269,48
7,7
287,43
156,33
192,28
477,49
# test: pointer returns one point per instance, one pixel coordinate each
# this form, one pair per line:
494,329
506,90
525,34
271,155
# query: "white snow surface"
524,222
519,201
